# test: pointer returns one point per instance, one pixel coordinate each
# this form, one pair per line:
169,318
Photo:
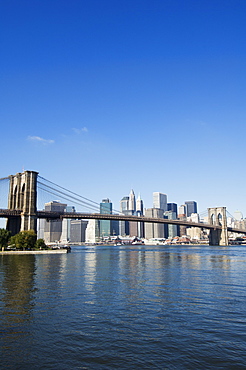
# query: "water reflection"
127,307
17,301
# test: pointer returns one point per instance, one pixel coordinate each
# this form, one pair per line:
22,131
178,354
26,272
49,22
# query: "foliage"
24,239
40,244
4,238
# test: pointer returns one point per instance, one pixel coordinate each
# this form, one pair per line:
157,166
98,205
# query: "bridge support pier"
217,217
23,196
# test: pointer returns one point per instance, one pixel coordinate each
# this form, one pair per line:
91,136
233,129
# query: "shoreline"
55,251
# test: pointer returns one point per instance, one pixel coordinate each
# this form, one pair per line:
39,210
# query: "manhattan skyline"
104,97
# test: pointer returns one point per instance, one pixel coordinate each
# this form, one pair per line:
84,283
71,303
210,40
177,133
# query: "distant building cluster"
94,231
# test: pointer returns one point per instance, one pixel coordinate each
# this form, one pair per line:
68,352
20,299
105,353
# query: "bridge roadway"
49,215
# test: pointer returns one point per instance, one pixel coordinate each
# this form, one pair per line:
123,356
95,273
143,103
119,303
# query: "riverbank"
51,251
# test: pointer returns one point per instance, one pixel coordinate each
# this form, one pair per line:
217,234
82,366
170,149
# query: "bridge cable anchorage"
71,192
78,202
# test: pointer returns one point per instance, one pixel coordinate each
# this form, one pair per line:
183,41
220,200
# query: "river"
124,307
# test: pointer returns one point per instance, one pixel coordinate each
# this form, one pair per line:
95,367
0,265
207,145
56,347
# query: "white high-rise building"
160,201
238,215
139,205
132,202
92,231
182,210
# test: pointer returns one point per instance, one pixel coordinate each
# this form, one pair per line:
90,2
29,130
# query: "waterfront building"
153,230
77,231
191,207
139,212
115,228
66,225
181,228
40,228
105,225
194,233
53,228
160,201
92,234
172,230
124,225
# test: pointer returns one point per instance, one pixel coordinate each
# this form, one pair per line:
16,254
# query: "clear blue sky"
104,96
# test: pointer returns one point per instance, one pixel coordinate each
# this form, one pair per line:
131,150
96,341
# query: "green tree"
24,239
40,244
4,238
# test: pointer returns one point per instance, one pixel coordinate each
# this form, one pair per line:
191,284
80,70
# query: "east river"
124,307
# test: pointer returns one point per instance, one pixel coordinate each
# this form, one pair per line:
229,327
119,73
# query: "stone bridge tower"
217,217
23,197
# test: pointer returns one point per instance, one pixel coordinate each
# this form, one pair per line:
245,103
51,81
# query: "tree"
40,244
4,238
24,239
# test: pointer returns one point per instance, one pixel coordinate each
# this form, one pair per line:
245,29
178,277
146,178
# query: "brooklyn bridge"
22,210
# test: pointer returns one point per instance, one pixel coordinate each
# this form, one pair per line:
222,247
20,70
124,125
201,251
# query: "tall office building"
92,234
172,207
105,225
132,202
153,230
172,229
191,207
77,231
238,215
182,210
124,225
160,201
124,204
53,228
66,225
139,212
139,206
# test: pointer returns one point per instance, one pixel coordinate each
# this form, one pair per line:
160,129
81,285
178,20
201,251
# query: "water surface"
141,307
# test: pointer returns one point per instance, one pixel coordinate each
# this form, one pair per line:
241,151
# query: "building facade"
153,230
105,225
191,207
160,201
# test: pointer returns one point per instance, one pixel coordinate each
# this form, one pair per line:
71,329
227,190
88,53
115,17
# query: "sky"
102,97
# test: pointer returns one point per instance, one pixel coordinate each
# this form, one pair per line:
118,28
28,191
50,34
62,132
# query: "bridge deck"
6,213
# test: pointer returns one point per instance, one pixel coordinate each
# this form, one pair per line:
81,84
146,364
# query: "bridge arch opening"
15,197
22,196
213,219
220,218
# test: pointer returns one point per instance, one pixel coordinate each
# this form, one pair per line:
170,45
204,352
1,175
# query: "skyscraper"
124,204
172,207
105,225
172,229
191,207
139,206
53,228
132,202
153,230
182,210
160,201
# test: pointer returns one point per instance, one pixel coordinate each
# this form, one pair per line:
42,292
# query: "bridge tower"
217,217
23,197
